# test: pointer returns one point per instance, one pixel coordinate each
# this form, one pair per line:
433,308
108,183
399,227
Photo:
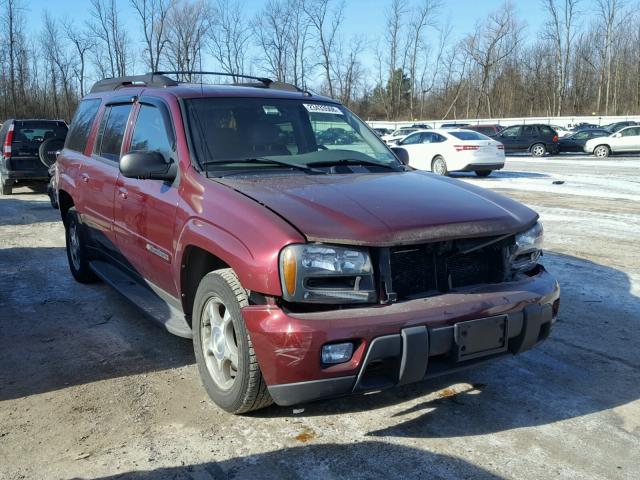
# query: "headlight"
321,273
527,249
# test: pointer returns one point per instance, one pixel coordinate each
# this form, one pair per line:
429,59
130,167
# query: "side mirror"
147,166
617,135
401,154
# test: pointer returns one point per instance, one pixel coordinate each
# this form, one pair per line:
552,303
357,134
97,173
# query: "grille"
413,271
433,268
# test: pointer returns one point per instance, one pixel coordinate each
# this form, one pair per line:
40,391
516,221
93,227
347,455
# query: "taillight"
555,139
7,141
460,148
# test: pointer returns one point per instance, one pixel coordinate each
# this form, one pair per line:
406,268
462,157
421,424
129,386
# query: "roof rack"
160,79
148,80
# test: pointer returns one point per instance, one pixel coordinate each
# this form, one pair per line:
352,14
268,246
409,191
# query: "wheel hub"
217,343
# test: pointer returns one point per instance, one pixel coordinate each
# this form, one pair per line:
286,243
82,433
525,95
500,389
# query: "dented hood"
384,209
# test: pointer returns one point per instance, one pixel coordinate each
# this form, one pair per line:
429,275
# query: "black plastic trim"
294,393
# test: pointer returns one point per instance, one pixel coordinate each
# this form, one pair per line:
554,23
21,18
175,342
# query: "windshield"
299,132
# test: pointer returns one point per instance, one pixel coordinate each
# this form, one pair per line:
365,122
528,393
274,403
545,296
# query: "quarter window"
81,125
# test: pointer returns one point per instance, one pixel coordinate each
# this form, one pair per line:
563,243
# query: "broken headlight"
320,273
527,249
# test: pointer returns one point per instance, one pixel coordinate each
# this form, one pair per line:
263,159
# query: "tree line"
585,58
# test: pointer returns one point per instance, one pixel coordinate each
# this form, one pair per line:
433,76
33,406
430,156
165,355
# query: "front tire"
439,166
538,150
483,173
602,151
224,353
75,236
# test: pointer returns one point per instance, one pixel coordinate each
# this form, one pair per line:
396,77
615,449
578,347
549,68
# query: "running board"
143,297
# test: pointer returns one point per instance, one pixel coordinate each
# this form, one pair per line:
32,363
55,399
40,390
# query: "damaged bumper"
400,343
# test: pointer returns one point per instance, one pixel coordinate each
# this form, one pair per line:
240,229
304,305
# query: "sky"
364,18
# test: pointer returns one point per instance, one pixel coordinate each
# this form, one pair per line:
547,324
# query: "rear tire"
538,150
439,166
224,353
602,151
75,236
483,173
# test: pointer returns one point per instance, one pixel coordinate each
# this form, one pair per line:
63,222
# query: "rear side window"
114,123
469,135
529,131
81,124
151,134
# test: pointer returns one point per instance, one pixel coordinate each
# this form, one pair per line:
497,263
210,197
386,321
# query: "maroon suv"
301,270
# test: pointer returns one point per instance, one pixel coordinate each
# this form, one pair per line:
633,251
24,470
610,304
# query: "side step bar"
144,298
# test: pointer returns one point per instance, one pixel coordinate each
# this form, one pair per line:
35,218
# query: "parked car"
561,131
382,131
537,139
584,126
398,135
443,151
617,126
626,140
20,161
454,125
300,272
421,126
575,142
489,130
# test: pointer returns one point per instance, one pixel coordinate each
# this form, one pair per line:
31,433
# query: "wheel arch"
196,262
65,202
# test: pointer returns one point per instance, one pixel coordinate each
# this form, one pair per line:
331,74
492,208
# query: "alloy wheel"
219,344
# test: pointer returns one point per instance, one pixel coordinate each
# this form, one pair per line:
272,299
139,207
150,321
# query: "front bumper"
394,344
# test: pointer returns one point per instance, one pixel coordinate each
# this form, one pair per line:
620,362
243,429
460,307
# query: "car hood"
384,209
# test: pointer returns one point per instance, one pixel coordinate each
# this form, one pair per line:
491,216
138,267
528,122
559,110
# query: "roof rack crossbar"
148,80
264,80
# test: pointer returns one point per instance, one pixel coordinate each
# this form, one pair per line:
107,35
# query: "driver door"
510,138
145,210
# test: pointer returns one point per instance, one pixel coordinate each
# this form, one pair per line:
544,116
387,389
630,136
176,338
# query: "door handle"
84,177
123,192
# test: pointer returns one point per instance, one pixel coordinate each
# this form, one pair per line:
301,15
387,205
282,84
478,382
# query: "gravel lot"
89,388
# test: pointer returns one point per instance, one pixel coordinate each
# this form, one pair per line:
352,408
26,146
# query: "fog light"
337,352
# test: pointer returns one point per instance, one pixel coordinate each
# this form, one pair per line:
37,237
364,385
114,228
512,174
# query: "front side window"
114,123
582,136
294,131
511,132
412,139
630,132
151,134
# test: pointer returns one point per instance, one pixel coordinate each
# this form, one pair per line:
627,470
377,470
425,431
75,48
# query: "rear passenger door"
145,210
99,173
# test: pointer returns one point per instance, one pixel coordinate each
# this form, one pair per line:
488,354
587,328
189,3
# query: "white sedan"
396,136
451,150
625,140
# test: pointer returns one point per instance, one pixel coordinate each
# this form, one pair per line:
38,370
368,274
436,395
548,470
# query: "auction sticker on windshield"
318,108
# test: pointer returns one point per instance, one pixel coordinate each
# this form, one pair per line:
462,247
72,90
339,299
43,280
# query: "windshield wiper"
352,161
264,160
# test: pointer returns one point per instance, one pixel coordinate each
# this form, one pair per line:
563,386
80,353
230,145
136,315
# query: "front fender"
257,271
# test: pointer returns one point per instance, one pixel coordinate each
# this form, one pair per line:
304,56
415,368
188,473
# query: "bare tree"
187,27
561,31
610,17
325,24
82,42
421,18
230,37
110,37
273,34
153,19
494,41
